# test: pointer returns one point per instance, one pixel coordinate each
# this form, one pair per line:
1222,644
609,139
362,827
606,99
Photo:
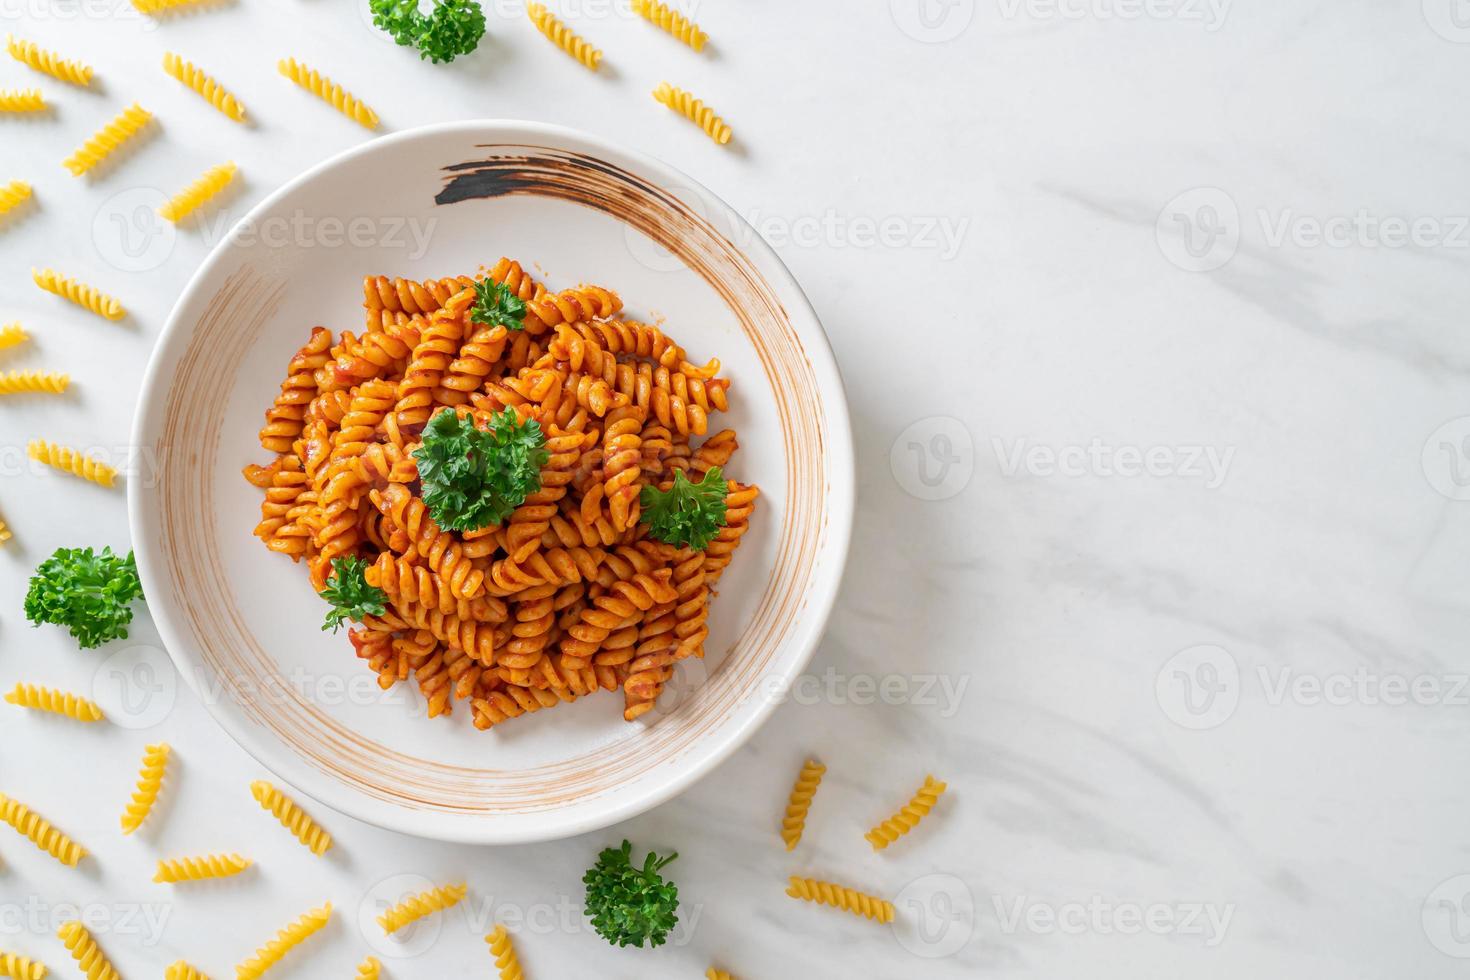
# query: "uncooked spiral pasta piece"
841,897
22,100
45,61
694,110
505,954
562,36
13,195
68,460
907,818
794,822
291,816
201,82
20,967
26,382
286,940
84,949
369,969
193,197
5,534
83,295
675,23
180,970
150,781
199,868
155,8
715,973
107,140
40,832
328,91
11,335
39,698
424,903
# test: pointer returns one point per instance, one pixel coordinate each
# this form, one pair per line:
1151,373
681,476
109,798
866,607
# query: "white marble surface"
1177,528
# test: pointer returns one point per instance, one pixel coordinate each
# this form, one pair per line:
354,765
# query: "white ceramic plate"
243,625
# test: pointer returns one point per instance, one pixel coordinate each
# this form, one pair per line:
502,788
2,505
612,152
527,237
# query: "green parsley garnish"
473,477
350,595
453,28
496,306
688,515
628,906
90,594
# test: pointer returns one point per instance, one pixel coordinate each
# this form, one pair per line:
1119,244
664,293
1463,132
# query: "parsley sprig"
496,306
90,594
350,595
688,515
473,477
629,906
452,28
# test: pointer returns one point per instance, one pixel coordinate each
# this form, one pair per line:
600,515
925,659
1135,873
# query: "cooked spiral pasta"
562,36
841,897
199,868
84,949
20,967
291,816
12,335
907,818
45,61
107,140
70,461
193,197
329,91
22,100
13,195
32,825
694,110
672,21
24,382
286,940
794,822
180,970
57,702
505,954
369,969
150,782
424,903
79,293
210,90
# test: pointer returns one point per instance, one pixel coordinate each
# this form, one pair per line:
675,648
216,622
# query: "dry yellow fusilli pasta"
57,702
840,897
70,461
106,141
84,949
672,21
807,782
24,382
26,821
694,110
291,816
154,8
199,868
12,334
369,969
150,781
22,100
13,194
714,973
562,36
87,297
328,91
286,940
20,967
191,198
905,819
505,954
424,903
5,534
180,970
197,79
45,61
